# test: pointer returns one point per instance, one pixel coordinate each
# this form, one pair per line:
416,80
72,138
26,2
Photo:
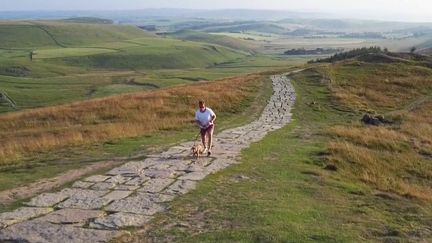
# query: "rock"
22,214
82,193
125,188
369,120
77,217
331,167
133,168
156,185
47,199
86,203
96,178
129,172
39,231
82,184
117,195
160,173
138,181
120,220
118,179
375,120
139,204
103,186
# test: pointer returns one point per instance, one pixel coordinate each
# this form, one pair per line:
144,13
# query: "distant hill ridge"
378,55
30,34
89,20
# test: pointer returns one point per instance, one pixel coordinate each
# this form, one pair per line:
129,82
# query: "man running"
205,118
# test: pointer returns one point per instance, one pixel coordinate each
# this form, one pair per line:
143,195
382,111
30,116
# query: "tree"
413,49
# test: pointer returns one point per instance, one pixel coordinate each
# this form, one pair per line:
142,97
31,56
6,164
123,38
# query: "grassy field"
281,191
32,34
41,72
218,39
69,52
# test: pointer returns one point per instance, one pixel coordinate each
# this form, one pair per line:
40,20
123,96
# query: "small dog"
197,150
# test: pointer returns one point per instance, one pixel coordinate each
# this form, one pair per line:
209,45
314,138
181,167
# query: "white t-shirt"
204,117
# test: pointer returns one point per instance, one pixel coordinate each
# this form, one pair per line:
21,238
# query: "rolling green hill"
226,41
31,34
156,53
89,20
262,27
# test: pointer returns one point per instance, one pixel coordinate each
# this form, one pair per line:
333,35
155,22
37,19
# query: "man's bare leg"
210,139
203,139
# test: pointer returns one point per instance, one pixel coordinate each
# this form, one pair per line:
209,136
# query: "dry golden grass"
395,158
28,132
377,86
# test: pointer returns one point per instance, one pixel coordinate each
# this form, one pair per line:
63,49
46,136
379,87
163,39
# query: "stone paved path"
97,208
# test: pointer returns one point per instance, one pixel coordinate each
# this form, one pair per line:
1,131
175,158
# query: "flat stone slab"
126,188
156,185
82,193
138,181
161,173
21,214
47,199
138,204
72,216
120,220
103,186
86,203
118,179
39,231
133,168
117,195
96,178
82,184
124,172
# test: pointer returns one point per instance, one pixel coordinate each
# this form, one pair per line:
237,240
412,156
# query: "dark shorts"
206,130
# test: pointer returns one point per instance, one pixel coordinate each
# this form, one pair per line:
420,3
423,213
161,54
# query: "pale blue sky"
414,8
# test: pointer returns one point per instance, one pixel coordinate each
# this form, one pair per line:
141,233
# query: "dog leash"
196,138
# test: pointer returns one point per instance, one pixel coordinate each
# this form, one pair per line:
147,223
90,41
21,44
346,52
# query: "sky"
403,9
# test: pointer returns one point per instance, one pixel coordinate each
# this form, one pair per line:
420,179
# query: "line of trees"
351,54
317,51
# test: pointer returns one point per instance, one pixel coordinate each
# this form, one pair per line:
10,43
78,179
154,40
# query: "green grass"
69,52
30,34
286,195
157,53
223,40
